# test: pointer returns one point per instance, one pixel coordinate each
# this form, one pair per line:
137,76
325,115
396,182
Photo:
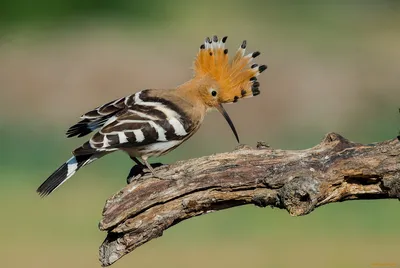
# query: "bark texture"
298,181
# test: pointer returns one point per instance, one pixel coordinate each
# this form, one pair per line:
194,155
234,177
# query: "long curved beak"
221,109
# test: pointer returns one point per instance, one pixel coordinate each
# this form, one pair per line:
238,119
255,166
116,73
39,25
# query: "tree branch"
298,181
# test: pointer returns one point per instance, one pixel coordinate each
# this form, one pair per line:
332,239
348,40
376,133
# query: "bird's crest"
236,78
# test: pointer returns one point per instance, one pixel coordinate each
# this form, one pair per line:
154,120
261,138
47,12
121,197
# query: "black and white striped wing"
97,118
154,126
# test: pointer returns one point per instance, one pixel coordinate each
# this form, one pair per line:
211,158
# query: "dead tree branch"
298,181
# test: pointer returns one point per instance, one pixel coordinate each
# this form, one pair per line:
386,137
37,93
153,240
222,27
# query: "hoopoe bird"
153,122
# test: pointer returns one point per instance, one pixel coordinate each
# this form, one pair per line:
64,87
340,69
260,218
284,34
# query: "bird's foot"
155,170
138,171
135,173
159,176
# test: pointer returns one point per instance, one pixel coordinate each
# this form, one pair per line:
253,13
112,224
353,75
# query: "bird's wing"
145,121
97,118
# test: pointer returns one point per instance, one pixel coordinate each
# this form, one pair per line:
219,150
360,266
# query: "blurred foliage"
58,11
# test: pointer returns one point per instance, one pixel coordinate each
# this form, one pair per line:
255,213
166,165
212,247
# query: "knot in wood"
392,185
337,142
189,204
265,197
262,145
299,196
332,136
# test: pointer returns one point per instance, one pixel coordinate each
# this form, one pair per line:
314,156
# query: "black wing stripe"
86,126
144,96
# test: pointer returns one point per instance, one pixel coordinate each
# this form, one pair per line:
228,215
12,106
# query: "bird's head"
223,81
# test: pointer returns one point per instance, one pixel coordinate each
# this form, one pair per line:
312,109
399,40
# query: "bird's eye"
214,93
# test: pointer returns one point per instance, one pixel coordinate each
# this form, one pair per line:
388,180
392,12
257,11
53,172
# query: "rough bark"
298,181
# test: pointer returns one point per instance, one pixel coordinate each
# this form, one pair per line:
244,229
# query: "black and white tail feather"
64,172
91,121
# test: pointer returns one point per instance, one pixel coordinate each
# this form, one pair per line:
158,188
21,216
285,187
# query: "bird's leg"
150,167
154,165
137,170
137,161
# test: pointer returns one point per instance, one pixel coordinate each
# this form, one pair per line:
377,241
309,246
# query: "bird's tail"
64,172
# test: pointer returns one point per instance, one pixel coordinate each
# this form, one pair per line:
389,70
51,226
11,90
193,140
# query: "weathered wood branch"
298,181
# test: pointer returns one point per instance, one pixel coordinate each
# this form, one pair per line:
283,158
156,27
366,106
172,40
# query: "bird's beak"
221,109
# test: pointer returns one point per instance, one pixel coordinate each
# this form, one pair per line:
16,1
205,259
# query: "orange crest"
236,78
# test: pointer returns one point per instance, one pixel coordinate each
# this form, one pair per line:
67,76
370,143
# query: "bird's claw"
138,171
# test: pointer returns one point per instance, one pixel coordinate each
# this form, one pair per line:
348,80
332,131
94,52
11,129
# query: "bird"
153,122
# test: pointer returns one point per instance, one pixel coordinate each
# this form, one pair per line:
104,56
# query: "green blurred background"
332,67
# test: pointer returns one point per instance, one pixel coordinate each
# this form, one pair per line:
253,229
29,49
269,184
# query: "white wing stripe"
122,137
91,141
106,142
160,146
143,115
115,102
106,149
139,135
157,105
116,132
160,131
127,121
162,108
178,127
